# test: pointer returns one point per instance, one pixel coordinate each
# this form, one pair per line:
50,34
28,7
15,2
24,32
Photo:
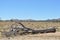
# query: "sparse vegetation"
35,25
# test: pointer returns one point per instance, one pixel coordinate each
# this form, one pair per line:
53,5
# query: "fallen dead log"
50,30
32,31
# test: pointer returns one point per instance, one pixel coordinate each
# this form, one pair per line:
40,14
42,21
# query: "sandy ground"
46,36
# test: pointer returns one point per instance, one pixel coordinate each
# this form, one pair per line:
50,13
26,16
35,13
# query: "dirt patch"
46,36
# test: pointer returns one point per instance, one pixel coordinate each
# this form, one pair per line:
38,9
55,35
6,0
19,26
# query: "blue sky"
29,9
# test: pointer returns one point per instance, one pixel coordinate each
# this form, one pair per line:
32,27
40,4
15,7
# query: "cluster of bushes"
30,20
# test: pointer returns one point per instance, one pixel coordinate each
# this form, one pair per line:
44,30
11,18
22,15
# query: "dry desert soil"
33,25
46,36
